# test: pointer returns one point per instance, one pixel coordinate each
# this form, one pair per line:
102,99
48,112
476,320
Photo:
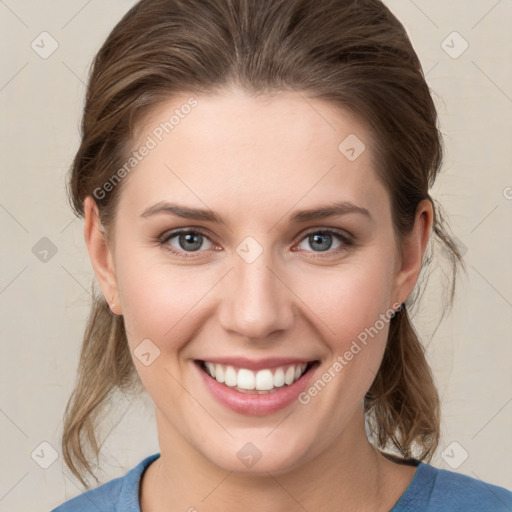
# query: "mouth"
262,381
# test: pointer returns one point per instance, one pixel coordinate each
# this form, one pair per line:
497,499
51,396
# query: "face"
247,241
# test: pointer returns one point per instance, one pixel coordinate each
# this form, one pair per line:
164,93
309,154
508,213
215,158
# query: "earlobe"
100,254
413,250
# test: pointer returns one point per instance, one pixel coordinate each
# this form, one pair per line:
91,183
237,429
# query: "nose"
256,301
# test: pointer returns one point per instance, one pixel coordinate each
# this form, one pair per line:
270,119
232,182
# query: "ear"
100,254
413,250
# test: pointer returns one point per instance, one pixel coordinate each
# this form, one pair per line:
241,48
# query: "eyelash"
342,237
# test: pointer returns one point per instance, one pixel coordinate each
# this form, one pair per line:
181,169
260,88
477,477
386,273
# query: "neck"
347,476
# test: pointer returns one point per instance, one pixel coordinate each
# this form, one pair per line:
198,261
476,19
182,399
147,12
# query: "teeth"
218,373
230,377
211,368
246,379
289,376
279,378
262,381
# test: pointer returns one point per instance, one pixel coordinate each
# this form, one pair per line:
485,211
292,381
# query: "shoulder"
453,491
104,498
119,494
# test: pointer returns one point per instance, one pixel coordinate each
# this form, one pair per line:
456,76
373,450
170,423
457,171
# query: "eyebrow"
329,210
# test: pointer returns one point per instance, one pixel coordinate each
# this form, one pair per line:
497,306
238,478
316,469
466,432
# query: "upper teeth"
262,380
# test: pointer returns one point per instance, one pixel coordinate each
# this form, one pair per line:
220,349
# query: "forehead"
253,150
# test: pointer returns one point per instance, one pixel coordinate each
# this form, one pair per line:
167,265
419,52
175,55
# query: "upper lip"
257,364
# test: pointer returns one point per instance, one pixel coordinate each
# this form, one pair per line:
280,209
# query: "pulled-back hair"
353,54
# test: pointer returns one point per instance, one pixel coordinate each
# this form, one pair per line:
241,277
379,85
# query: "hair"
353,54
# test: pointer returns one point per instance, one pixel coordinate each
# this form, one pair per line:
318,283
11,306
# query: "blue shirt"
430,490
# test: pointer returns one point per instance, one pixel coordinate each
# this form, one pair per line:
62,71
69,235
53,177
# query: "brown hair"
354,54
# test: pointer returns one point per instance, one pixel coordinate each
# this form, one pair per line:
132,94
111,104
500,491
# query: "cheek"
348,299
164,302
158,299
355,315
160,303
351,305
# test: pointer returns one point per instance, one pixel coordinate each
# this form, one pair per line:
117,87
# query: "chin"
259,456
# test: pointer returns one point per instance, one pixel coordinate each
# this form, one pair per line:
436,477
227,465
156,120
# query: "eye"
322,240
185,241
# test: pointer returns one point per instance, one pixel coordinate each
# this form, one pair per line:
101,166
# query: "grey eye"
188,241
320,241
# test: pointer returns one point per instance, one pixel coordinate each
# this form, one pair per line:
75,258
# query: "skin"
255,161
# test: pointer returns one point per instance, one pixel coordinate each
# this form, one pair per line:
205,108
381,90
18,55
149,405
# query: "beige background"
44,303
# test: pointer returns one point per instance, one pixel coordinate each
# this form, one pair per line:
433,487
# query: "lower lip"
255,404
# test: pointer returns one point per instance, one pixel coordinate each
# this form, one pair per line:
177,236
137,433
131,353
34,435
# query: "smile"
267,388
263,381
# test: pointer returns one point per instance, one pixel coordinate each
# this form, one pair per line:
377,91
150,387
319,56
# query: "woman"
254,180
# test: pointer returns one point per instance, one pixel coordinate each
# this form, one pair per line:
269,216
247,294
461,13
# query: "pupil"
194,239
324,241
